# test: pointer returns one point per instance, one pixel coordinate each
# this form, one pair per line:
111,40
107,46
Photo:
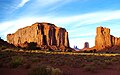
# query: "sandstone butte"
104,40
44,34
86,46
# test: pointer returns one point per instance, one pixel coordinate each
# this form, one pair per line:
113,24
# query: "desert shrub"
45,70
108,62
107,52
114,59
91,51
40,70
35,60
103,65
85,51
3,47
97,62
31,46
18,47
27,66
90,59
66,73
82,65
54,71
94,51
1,64
16,61
59,63
89,67
69,50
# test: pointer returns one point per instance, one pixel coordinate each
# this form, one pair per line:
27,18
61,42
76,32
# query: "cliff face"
44,34
104,40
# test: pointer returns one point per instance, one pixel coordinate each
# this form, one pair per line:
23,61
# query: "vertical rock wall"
103,38
44,34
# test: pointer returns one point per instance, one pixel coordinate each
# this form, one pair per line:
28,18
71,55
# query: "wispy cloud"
22,3
90,18
60,3
51,4
48,2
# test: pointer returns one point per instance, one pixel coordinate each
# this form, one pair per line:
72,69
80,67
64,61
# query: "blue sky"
79,17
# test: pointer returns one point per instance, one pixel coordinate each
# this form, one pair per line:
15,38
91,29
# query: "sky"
79,17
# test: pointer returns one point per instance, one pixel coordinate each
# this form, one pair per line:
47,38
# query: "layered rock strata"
44,34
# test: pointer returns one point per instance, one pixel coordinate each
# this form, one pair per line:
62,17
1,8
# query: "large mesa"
44,34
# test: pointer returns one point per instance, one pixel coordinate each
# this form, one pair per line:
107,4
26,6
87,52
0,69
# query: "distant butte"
86,46
44,34
104,40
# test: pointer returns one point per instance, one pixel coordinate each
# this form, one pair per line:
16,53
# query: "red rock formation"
104,40
86,46
44,34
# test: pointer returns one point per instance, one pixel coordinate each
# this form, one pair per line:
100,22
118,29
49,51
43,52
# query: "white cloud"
22,3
